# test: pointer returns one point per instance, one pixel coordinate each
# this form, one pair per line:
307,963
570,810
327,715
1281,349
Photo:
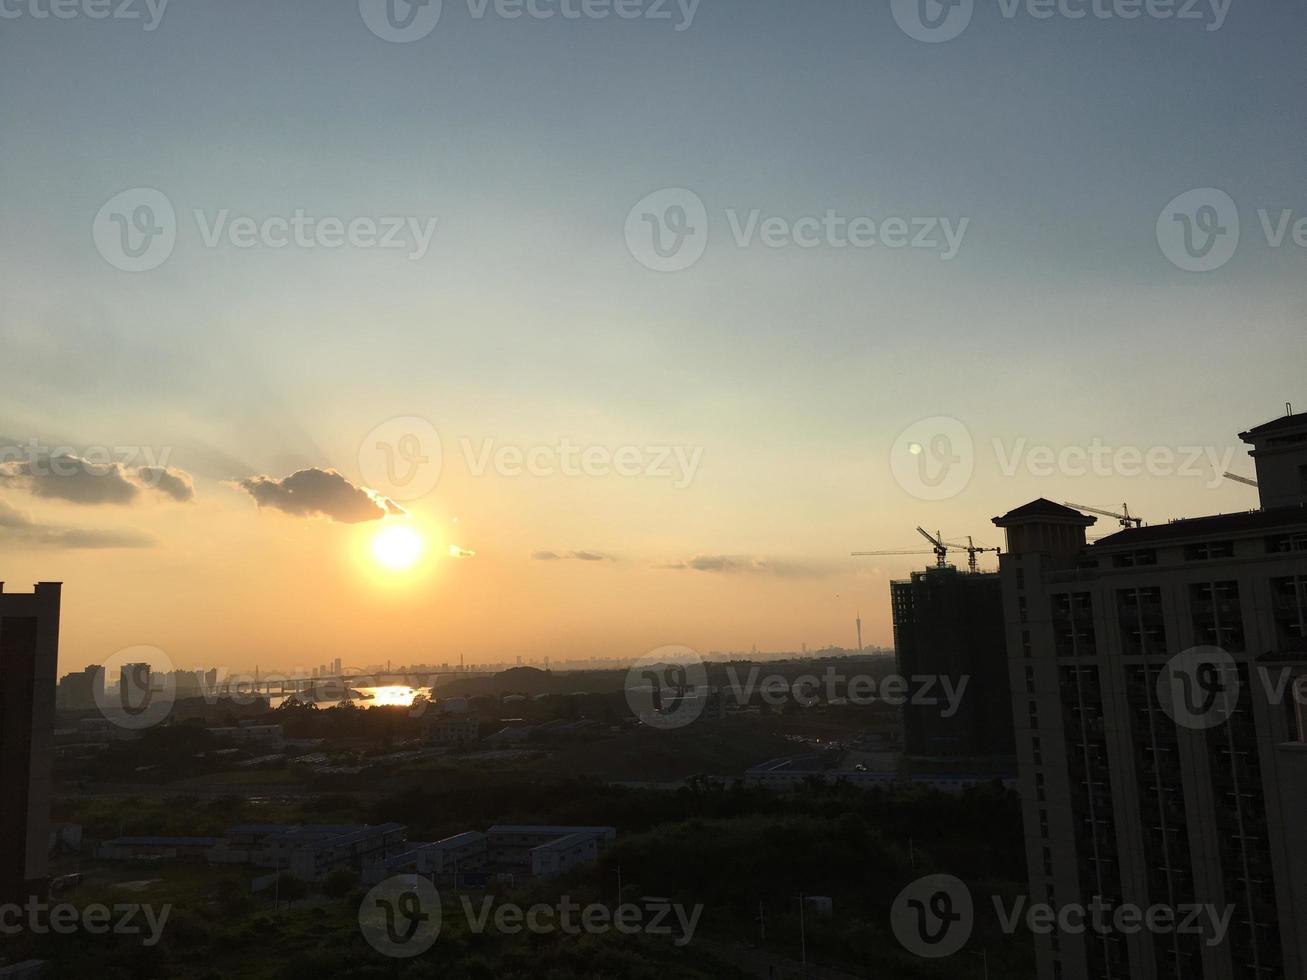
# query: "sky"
867,242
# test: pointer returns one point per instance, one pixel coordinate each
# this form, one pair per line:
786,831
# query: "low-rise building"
157,848
512,845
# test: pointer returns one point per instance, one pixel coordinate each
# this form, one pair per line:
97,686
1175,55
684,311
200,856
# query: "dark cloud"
545,556
168,481
71,479
19,529
90,483
320,493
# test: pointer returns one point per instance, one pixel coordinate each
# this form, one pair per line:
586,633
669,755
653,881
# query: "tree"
339,883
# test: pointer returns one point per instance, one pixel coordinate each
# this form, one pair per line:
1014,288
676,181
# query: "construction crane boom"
1240,479
868,554
1125,518
972,549
938,547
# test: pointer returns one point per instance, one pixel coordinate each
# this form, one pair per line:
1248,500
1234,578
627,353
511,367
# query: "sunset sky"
787,375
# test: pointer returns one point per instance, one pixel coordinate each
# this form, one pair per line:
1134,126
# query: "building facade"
29,657
1156,682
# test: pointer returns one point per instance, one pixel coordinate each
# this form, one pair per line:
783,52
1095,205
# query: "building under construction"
949,623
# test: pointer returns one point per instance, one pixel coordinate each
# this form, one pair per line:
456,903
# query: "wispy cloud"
737,565
18,529
570,556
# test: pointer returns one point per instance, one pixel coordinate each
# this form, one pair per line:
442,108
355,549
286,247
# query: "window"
1143,627
1135,559
1073,624
1208,550
1217,615
1289,610
1279,543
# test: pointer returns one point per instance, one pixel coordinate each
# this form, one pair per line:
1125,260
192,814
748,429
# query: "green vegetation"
738,852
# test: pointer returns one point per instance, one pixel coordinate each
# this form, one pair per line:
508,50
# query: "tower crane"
972,549
1125,518
937,548
1240,479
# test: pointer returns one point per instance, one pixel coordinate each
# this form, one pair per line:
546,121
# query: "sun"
397,547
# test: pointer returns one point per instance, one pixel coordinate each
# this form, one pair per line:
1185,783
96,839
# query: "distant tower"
859,622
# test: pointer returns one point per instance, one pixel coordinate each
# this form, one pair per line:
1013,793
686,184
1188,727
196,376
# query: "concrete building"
81,691
513,846
949,623
354,851
29,657
247,733
796,772
441,861
1163,758
559,856
453,730
157,848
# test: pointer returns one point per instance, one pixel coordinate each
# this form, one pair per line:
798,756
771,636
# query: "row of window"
1215,610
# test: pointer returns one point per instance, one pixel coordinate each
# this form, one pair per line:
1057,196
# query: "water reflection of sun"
400,695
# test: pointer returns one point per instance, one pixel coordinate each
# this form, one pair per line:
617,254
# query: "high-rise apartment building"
1157,685
29,655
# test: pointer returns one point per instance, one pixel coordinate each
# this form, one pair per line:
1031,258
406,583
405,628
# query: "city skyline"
530,317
